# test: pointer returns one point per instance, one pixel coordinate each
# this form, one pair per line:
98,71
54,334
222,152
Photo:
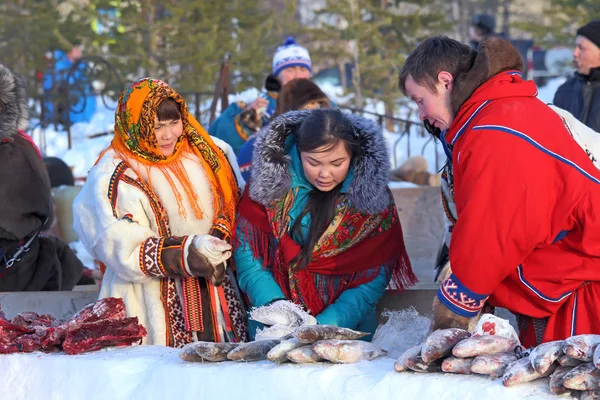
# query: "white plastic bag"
490,324
586,137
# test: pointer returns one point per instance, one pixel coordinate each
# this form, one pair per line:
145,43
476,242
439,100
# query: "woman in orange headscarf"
157,210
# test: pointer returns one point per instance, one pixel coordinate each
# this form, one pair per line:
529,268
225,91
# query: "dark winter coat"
580,95
26,204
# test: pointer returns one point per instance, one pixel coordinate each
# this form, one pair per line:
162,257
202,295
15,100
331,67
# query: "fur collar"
270,165
13,103
494,55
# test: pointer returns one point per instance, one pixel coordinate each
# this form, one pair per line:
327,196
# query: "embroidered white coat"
116,240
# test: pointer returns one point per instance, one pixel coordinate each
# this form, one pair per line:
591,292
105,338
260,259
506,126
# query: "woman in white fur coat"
157,211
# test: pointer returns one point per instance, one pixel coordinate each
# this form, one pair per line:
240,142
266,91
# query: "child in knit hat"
240,120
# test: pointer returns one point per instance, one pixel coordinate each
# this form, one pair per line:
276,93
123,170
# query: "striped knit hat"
290,55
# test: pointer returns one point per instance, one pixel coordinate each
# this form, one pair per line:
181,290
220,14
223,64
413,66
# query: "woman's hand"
207,257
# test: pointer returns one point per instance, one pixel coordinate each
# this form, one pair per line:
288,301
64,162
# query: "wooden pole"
221,88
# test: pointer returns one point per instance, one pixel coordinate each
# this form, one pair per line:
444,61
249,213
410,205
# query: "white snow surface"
157,372
546,92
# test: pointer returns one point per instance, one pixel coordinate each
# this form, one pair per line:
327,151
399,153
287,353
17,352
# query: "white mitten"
215,250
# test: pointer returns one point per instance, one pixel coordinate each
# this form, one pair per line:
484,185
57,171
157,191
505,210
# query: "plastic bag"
490,324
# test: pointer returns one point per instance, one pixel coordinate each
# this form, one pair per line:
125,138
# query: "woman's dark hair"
59,172
168,110
297,93
322,129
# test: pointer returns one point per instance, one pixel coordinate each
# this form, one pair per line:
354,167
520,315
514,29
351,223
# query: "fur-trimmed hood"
13,103
494,55
271,179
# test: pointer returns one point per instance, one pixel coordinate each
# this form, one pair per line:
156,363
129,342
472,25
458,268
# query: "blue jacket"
244,157
230,127
82,93
354,308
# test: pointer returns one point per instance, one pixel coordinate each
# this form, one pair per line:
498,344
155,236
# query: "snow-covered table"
156,372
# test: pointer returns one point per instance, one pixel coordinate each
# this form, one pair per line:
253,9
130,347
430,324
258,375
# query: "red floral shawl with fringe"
351,251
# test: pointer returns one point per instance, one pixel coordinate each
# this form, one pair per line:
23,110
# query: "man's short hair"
433,55
486,23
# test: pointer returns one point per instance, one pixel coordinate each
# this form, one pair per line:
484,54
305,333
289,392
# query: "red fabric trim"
30,140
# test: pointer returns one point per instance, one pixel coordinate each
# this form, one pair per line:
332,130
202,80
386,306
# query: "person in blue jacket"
81,104
317,224
240,120
298,94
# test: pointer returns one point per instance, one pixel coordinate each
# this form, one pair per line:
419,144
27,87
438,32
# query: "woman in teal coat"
317,224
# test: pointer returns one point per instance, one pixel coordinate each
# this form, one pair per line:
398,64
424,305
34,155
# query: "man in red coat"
523,197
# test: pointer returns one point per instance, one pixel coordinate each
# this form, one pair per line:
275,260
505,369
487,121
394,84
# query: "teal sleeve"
355,305
224,128
254,280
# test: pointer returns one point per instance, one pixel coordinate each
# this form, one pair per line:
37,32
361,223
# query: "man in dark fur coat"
521,194
28,261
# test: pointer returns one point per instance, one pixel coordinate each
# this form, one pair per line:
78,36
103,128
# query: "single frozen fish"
252,351
545,354
188,353
440,343
313,333
521,371
583,377
557,379
400,364
347,351
478,345
416,364
214,352
278,354
581,347
596,357
457,365
303,355
493,365
568,361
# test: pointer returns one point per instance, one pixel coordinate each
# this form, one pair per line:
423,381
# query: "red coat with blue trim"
527,237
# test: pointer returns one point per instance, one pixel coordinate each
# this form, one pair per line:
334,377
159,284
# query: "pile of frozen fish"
455,350
291,335
573,364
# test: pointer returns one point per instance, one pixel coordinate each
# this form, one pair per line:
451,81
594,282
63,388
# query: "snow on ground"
546,92
156,372
54,141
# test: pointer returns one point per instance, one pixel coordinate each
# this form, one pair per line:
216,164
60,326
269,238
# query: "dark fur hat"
494,55
13,103
299,92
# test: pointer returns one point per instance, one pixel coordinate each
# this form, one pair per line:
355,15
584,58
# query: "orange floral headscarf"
135,140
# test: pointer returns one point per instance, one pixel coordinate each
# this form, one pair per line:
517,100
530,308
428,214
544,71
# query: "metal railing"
402,128
67,92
